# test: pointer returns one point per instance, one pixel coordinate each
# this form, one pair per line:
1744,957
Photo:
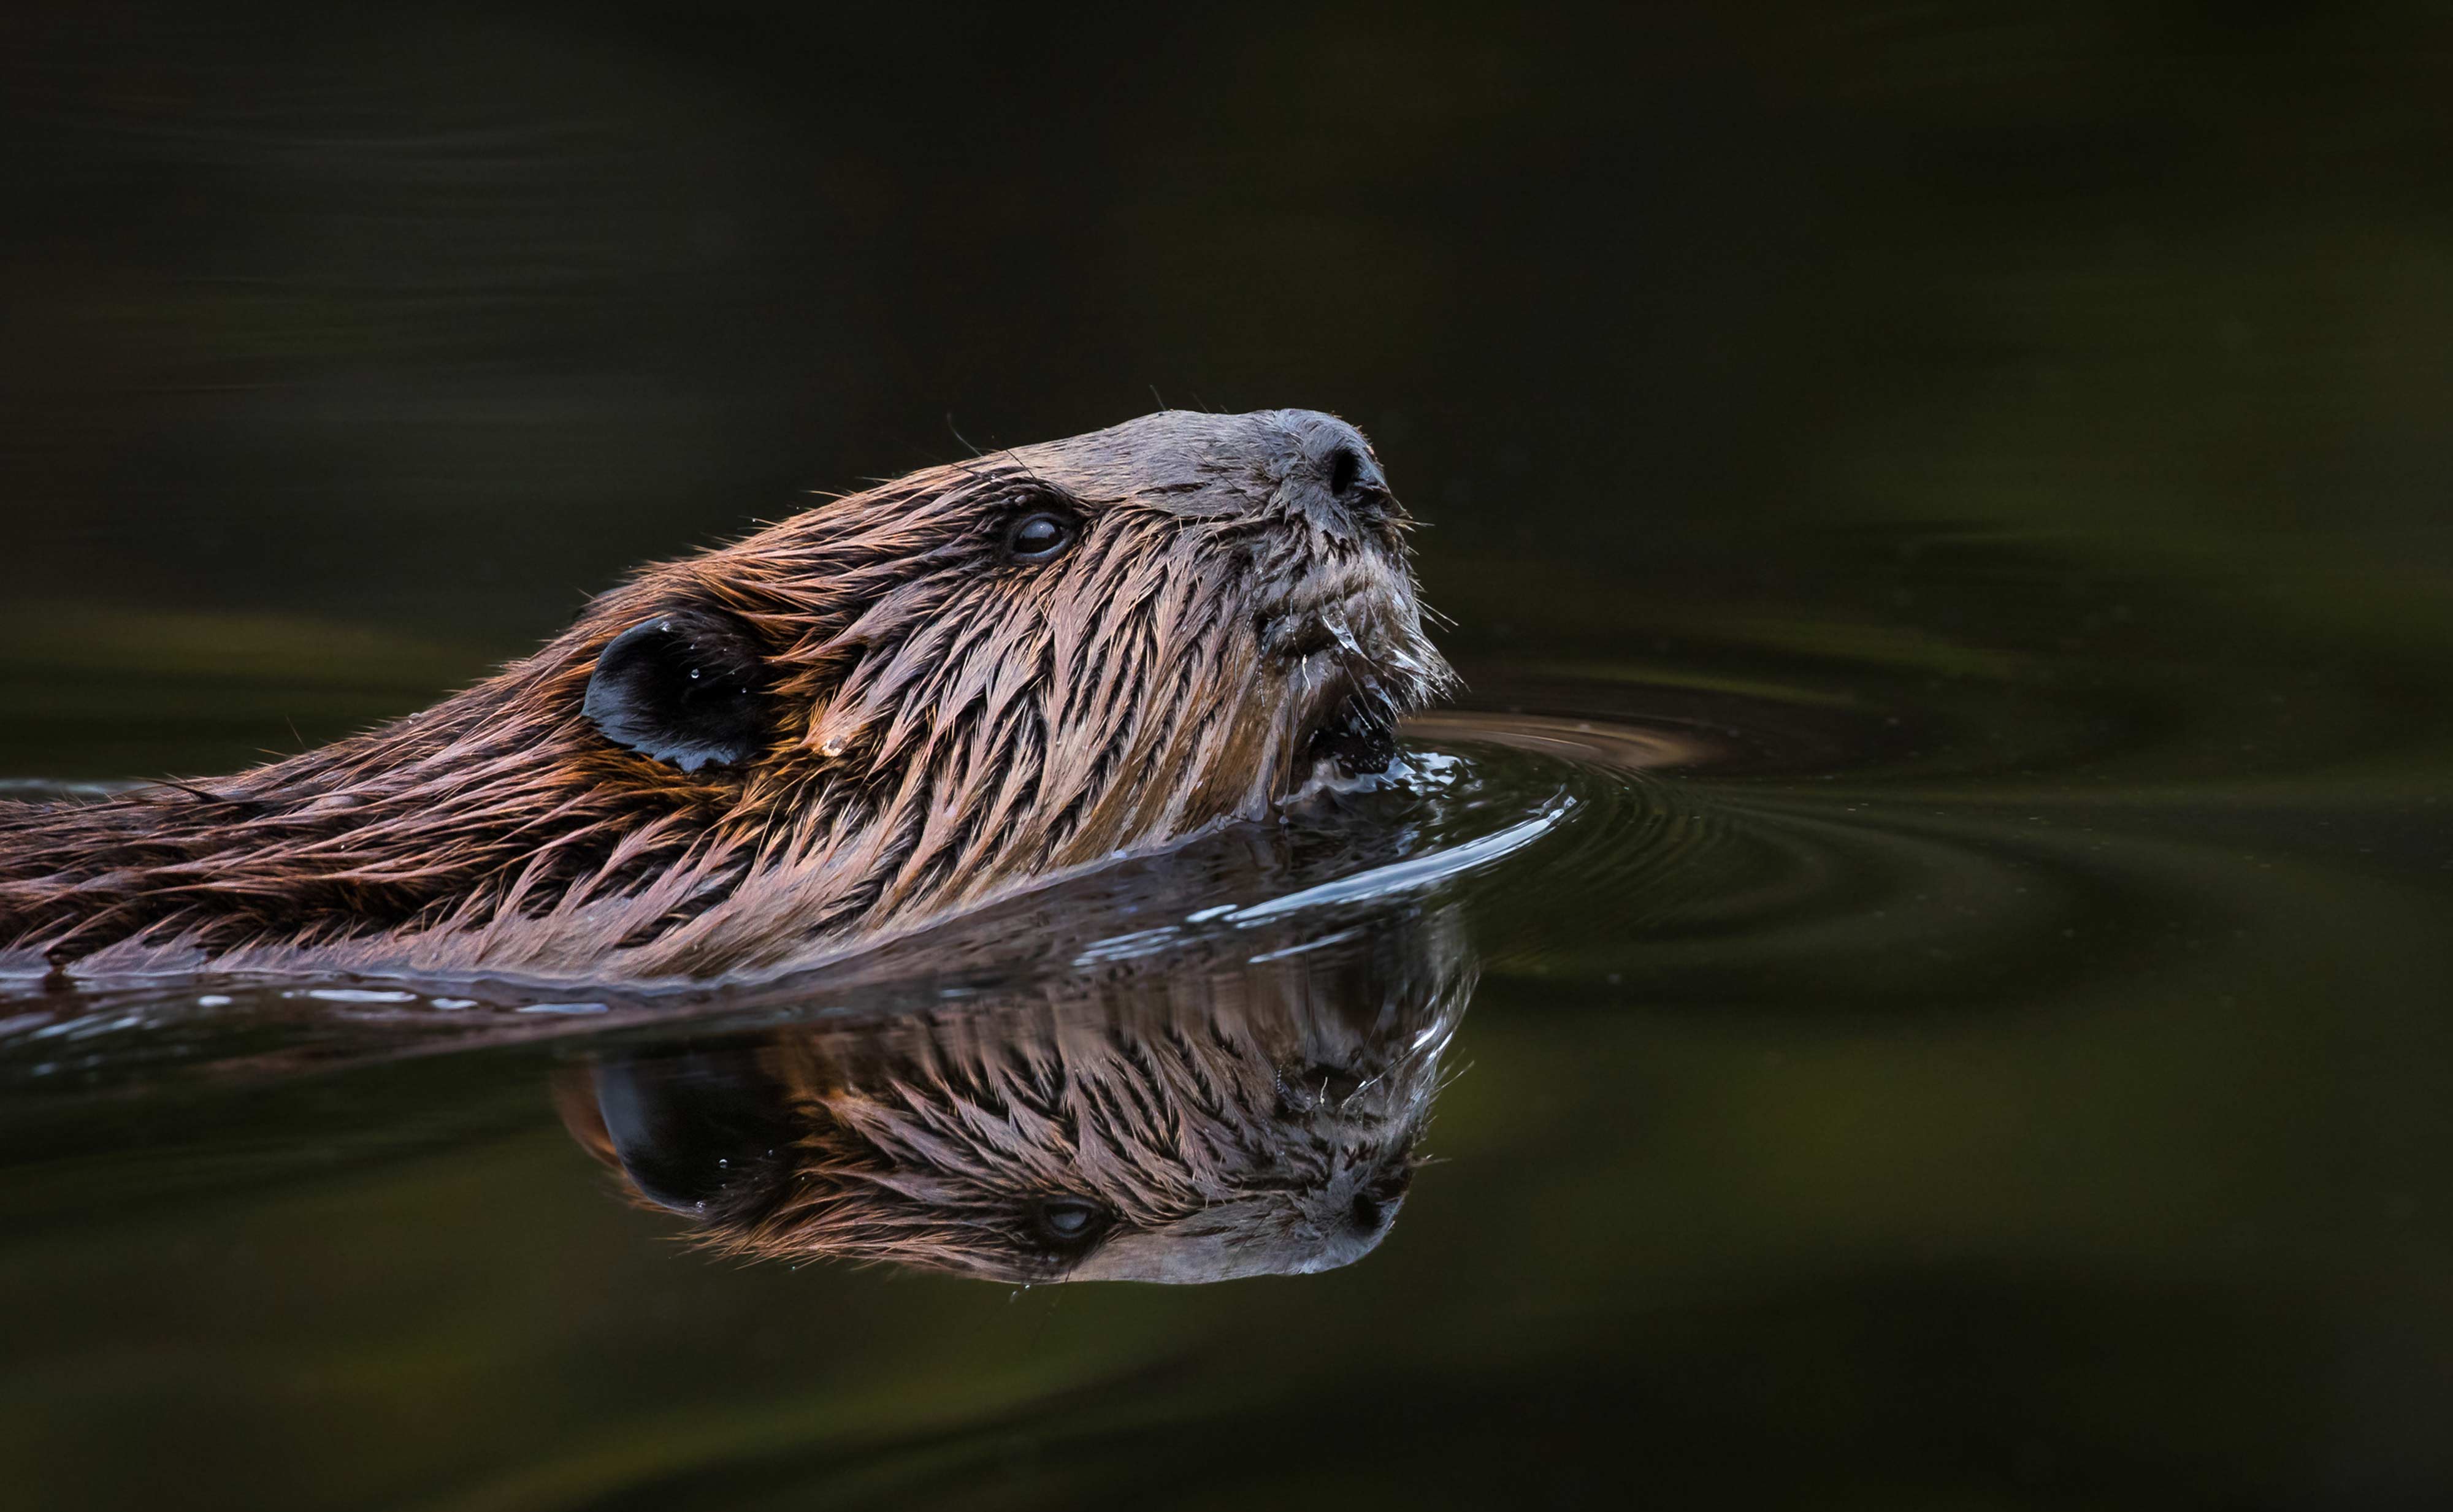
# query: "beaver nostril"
1345,466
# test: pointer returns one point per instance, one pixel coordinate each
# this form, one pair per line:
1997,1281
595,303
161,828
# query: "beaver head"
893,705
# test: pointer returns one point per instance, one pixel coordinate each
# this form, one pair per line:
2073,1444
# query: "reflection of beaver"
898,703
1246,1119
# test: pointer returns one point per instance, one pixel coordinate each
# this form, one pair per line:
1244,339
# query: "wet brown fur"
947,728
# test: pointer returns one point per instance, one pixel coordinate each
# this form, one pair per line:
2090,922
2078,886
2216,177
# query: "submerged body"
904,703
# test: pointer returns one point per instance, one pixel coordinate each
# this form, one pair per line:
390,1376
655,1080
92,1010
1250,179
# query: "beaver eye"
1039,535
1069,1223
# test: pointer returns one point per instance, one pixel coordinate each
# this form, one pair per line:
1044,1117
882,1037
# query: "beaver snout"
1333,456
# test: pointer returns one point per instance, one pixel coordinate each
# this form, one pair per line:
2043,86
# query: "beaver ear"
683,688
706,1135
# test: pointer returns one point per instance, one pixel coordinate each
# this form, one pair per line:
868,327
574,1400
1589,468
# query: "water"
1917,974
1865,1077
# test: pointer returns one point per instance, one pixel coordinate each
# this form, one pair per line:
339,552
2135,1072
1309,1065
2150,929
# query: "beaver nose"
1337,456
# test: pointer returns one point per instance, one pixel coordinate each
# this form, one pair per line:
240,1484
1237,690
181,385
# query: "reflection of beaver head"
900,702
1251,1119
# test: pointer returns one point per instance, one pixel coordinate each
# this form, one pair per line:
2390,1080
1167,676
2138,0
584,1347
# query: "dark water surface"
1919,973
1912,1110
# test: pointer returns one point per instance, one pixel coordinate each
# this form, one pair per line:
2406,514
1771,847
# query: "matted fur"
1225,1119
949,727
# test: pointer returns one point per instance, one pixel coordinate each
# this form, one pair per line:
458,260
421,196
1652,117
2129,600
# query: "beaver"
882,710
1192,1121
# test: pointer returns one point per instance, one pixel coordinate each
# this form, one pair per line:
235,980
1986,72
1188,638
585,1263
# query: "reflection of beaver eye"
1069,1223
1039,535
